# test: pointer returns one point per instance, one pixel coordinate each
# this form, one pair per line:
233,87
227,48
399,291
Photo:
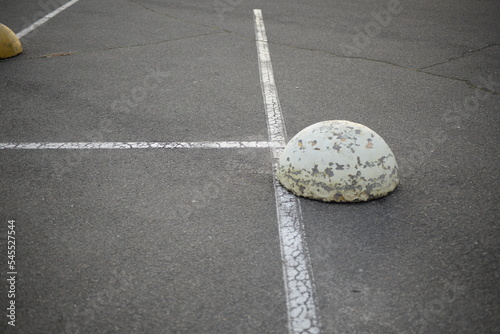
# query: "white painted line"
136,145
275,124
297,271
44,19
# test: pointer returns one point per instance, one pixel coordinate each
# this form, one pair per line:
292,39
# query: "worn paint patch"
365,167
60,54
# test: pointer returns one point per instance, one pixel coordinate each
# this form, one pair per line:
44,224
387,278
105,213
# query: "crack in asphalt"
465,53
221,30
419,70
138,45
152,43
176,18
72,53
466,81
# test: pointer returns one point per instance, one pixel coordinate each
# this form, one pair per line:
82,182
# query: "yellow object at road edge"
10,45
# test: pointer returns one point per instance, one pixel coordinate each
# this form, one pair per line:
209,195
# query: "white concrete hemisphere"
338,161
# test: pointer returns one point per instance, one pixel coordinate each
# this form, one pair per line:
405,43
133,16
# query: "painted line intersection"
297,272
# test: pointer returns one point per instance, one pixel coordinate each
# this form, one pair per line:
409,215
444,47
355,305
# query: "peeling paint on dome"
365,167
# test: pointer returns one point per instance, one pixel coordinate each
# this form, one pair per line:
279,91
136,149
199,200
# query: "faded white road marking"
275,125
297,271
302,309
136,145
44,19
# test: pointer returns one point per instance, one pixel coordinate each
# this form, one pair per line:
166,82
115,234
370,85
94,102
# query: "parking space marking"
44,19
275,124
297,270
136,145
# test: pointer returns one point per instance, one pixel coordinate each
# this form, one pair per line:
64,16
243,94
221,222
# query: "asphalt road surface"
187,239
